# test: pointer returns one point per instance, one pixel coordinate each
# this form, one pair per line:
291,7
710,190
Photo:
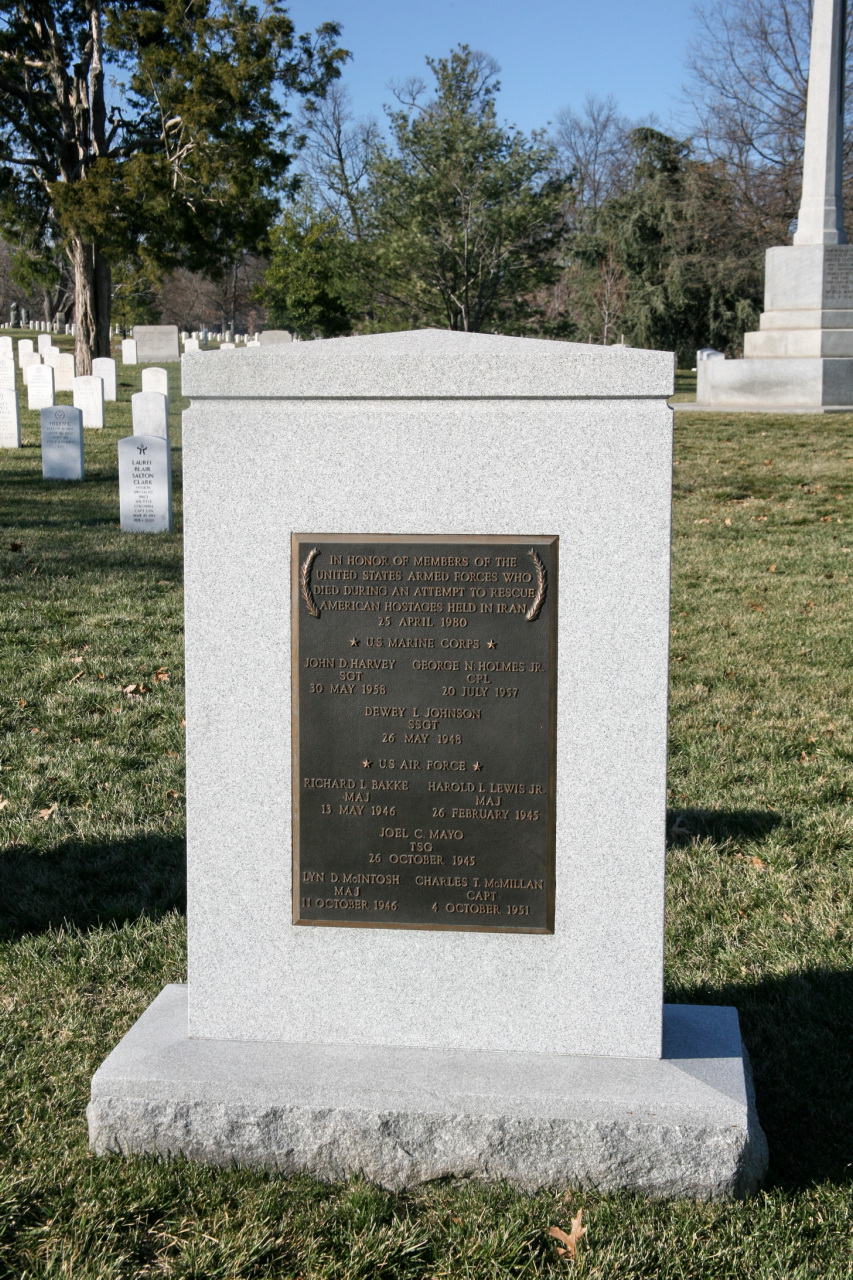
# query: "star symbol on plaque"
366,764
493,644
477,766
353,643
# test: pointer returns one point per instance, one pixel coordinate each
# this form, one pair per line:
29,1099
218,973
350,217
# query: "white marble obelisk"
801,357
821,219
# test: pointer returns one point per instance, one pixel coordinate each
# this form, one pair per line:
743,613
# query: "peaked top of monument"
434,363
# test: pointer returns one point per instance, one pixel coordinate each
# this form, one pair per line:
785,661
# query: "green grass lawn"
759,896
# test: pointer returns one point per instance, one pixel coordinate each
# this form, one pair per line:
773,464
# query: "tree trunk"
91,304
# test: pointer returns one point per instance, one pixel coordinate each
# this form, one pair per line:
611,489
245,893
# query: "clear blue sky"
552,53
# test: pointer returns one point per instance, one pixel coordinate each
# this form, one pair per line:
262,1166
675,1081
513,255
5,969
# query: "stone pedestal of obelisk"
801,358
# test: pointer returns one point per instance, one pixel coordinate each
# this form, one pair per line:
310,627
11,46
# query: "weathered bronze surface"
424,737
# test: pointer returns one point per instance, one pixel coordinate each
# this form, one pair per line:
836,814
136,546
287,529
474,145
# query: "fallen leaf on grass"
3,803
22,702
571,1240
172,753
129,688
728,522
77,677
45,813
162,674
16,546
771,568
756,862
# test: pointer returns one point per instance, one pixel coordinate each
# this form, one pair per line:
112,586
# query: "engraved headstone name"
62,443
145,484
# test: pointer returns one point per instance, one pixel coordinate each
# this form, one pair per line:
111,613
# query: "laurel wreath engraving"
305,583
541,590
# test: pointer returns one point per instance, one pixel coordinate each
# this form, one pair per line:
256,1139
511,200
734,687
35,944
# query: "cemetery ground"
759,903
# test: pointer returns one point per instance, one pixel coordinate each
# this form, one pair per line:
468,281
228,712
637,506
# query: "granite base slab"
682,1125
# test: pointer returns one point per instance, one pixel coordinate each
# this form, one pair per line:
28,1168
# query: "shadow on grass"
84,884
684,825
799,1032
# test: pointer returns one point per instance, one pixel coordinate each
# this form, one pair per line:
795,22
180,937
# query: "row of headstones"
144,468
43,381
41,326
131,354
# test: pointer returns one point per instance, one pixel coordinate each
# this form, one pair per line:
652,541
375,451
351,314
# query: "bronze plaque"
424,691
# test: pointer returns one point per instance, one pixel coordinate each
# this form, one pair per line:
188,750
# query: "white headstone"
145,484
191,344
156,343
105,368
44,341
273,337
8,373
25,348
30,362
63,372
150,414
89,398
128,351
40,389
61,443
10,419
50,355
155,379
708,353
227,346
7,350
